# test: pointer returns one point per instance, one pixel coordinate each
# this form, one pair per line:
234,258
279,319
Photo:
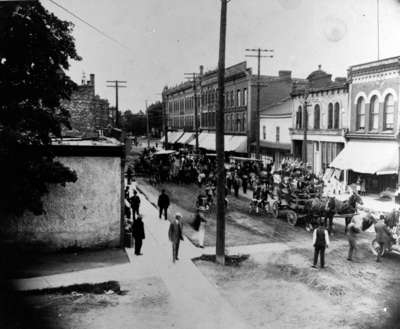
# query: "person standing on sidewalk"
199,225
138,234
135,204
175,235
320,243
163,204
352,231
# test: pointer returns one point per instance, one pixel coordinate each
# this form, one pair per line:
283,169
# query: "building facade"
89,112
321,126
372,151
240,103
275,124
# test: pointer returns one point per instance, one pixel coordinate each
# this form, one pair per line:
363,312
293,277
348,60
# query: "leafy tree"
35,50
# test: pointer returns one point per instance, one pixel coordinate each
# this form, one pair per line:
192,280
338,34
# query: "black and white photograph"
202,164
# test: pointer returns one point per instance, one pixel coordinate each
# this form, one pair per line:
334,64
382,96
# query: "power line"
90,25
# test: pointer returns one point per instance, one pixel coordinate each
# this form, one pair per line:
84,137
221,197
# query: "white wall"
270,123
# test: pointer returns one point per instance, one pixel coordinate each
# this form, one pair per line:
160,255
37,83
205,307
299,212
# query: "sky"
164,39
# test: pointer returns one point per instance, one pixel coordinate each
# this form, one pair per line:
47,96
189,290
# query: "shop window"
388,113
360,110
374,113
336,117
317,117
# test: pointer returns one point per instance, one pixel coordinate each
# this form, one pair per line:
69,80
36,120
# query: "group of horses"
314,208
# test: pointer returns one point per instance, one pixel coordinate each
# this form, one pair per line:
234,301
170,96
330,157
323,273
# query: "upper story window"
239,97
317,113
388,113
330,116
374,113
299,115
232,99
277,134
336,116
245,97
360,114
244,123
264,133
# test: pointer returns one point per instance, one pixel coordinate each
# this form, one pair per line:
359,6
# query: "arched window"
388,113
374,113
299,115
336,116
330,116
316,117
360,120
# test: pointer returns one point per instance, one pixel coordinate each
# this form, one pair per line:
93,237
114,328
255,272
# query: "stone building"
89,113
84,214
372,151
240,104
327,119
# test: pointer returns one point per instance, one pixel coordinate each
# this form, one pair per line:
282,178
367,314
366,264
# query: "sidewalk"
196,302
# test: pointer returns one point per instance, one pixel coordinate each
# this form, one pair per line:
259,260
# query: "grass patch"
84,288
232,260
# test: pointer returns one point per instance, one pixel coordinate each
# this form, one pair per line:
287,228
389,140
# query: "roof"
280,108
101,141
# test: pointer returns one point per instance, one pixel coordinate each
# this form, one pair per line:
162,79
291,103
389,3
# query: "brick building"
372,151
240,104
89,113
327,118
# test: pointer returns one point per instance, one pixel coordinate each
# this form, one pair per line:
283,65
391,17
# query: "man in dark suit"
135,204
383,236
175,235
320,243
163,204
138,234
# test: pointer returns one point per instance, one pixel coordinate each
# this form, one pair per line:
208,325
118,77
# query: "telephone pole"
219,140
258,51
165,118
116,84
147,124
194,77
305,126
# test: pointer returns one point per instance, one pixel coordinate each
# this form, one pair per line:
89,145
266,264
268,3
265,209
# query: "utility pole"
305,126
219,140
194,77
165,118
259,56
116,84
147,124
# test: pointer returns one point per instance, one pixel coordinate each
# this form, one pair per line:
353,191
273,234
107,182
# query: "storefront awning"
236,143
173,137
369,157
185,138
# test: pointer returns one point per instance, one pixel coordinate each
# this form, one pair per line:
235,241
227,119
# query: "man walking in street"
352,231
175,235
135,204
320,243
138,234
383,236
163,204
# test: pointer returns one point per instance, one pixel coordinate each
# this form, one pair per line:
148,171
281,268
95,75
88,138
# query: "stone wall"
84,214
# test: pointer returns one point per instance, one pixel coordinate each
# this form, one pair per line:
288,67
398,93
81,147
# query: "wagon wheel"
291,217
376,248
275,209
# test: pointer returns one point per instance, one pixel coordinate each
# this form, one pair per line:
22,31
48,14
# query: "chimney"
201,70
285,74
83,81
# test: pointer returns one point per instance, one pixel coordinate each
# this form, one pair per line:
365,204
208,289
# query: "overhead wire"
90,25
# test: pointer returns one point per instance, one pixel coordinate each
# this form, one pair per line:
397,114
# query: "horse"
328,207
335,206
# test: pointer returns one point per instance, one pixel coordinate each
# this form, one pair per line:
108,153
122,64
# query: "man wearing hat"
175,235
